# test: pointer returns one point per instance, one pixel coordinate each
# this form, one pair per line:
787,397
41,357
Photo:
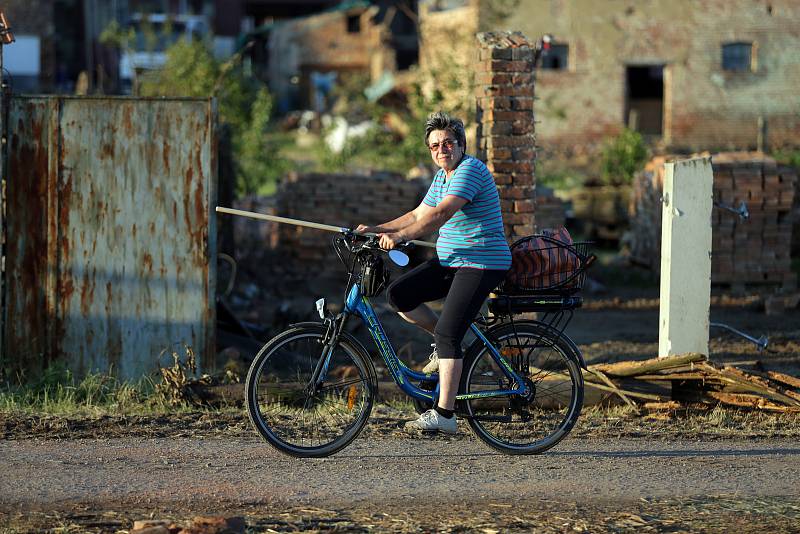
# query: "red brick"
524,206
522,127
495,53
503,115
523,153
523,53
497,128
511,66
510,90
516,218
522,179
518,193
495,102
508,140
519,102
500,153
510,166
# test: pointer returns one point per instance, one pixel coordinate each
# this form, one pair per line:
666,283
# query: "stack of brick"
506,140
339,200
756,250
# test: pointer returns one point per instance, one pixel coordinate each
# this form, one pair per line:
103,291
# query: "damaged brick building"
305,57
721,74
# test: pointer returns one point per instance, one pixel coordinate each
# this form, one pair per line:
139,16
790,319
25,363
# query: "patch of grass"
788,157
59,392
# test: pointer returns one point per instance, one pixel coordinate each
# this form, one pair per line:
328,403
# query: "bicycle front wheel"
298,417
549,366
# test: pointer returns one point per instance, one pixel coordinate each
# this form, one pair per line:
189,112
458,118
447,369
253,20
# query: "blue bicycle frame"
358,304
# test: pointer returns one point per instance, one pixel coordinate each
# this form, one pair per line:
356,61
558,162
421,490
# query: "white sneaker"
431,421
433,362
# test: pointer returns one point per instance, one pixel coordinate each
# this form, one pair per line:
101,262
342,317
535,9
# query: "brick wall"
337,199
506,141
752,251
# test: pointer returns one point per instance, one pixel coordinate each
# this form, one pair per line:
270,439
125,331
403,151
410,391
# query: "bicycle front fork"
333,328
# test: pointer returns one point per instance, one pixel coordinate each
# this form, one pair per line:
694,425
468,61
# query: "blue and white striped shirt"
473,237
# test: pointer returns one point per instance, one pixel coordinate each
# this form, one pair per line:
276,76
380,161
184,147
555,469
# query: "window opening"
353,23
737,57
556,57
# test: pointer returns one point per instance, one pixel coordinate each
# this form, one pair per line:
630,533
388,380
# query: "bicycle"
310,389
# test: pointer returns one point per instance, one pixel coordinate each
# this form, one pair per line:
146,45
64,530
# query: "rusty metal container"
110,232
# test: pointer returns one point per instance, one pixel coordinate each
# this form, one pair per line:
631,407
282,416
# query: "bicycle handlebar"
371,242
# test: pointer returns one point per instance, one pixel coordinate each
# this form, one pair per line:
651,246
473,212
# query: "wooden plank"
676,376
784,379
748,401
648,366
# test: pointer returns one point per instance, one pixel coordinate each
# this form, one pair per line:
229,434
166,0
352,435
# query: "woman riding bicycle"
472,258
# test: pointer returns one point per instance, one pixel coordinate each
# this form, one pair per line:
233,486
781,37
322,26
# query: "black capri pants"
464,290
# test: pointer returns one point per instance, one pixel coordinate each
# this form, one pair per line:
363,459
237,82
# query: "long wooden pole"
299,222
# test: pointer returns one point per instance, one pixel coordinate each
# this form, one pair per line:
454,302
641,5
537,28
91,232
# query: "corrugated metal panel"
111,231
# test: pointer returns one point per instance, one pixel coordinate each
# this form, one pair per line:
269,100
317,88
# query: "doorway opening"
644,99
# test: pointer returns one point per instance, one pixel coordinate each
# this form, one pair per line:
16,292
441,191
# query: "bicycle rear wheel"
549,365
297,418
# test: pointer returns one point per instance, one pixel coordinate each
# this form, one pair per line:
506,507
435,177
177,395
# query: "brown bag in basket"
543,261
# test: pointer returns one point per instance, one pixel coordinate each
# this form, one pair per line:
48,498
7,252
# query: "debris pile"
690,380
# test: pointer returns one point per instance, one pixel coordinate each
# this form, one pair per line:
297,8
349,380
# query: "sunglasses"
447,143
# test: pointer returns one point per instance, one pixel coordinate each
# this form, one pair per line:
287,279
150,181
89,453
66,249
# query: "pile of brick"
751,251
344,200
506,140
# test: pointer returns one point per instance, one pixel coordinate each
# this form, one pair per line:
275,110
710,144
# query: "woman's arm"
429,220
399,223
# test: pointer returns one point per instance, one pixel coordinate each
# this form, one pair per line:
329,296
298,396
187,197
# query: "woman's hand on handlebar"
390,240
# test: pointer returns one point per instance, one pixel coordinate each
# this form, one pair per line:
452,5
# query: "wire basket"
543,264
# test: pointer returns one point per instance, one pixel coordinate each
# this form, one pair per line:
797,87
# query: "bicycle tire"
283,410
550,364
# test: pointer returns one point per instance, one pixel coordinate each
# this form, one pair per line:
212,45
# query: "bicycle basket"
373,275
547,263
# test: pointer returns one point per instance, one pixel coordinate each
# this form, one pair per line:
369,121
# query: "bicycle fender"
350,339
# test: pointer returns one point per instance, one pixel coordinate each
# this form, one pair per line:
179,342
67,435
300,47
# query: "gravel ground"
416,483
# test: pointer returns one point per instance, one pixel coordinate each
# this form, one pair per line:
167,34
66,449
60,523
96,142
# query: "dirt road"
388,474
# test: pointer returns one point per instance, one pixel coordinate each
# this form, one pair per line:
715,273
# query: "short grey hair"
440,120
